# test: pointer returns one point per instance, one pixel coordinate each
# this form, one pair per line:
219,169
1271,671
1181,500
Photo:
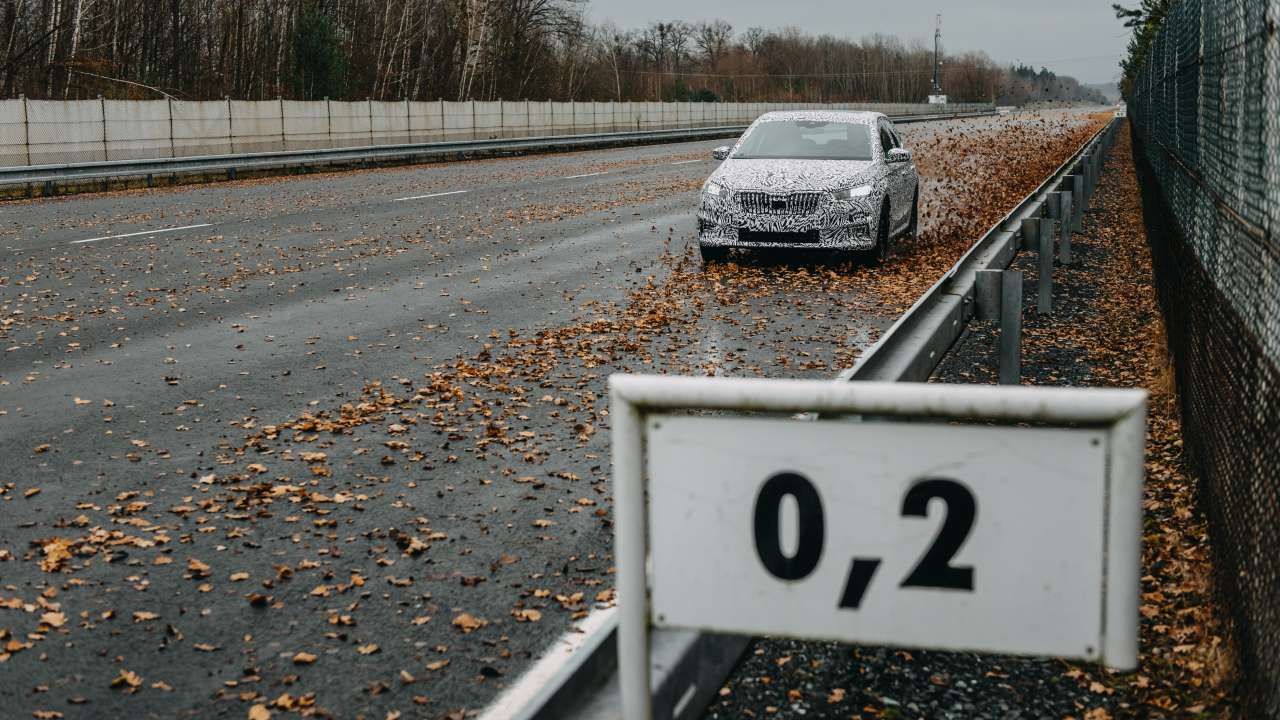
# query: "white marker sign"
983,537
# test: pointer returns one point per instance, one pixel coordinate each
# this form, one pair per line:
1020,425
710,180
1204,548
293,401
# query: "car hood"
784,176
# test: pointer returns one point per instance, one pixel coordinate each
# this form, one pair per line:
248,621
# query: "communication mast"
937,55
936,97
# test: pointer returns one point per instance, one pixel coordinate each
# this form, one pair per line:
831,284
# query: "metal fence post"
26,127
173,145
408,121
1010,327
368,102
231,127
284,144
1064,244
475,132
1044,300
106,151
328,120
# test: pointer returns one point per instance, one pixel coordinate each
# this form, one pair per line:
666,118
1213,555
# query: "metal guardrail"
688,666
914,345
48,179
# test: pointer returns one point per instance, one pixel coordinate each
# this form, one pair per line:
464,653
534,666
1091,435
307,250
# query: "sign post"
975,518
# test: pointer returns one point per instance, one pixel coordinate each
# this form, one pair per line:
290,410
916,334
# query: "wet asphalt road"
339,444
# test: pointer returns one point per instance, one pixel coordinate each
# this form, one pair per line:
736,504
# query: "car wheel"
880,254
713,254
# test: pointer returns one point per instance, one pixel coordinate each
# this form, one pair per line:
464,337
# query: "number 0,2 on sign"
934,535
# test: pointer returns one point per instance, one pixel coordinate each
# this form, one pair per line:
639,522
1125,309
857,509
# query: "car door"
893,177
908,179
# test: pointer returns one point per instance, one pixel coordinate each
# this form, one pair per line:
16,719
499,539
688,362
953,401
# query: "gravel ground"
1105,331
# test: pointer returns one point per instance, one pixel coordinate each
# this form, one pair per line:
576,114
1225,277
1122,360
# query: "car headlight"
714,189
860,191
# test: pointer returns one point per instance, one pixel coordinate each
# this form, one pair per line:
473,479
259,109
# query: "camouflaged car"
811,179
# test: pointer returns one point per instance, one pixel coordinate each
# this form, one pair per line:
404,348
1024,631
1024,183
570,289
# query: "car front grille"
789,238
763,203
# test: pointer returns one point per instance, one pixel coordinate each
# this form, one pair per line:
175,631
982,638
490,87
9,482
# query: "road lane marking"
432,195
585,175
145,232
686,162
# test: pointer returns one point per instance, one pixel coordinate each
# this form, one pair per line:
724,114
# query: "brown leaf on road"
259,712
303,658
466,622
54,619
197,568
526,615
437,665
369,649
127,679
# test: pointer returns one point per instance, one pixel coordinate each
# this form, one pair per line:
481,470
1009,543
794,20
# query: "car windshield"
806,140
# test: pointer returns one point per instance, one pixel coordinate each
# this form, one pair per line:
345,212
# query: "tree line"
457,50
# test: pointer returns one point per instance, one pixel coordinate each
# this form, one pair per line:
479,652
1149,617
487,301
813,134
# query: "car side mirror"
898,155
721,152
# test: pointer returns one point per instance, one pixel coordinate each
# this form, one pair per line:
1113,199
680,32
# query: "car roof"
864,117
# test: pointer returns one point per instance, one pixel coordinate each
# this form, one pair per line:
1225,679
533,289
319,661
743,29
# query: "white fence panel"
390,122
256,126
540,121
306,124
350,123
458,121
488,119
515,119
426,121
65,131
137,129
13,133
201,127
561,118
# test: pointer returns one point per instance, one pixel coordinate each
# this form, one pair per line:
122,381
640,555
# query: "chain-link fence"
37,132
1206,117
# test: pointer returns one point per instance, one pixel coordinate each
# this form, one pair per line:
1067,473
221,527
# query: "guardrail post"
231,131
1077,201
1052,205
26,127
986,294
369,105
328,120
1044,299
1010,327
1064,246
1029,238
284,145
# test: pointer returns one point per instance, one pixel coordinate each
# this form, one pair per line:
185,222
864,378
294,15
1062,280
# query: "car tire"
713,254
880,253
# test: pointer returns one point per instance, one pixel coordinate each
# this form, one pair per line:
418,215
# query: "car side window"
893,132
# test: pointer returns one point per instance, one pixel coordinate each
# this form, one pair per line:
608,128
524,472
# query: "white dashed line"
686,162
145,232
424,197
585,175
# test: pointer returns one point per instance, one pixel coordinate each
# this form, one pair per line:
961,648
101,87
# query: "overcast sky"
1081,38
